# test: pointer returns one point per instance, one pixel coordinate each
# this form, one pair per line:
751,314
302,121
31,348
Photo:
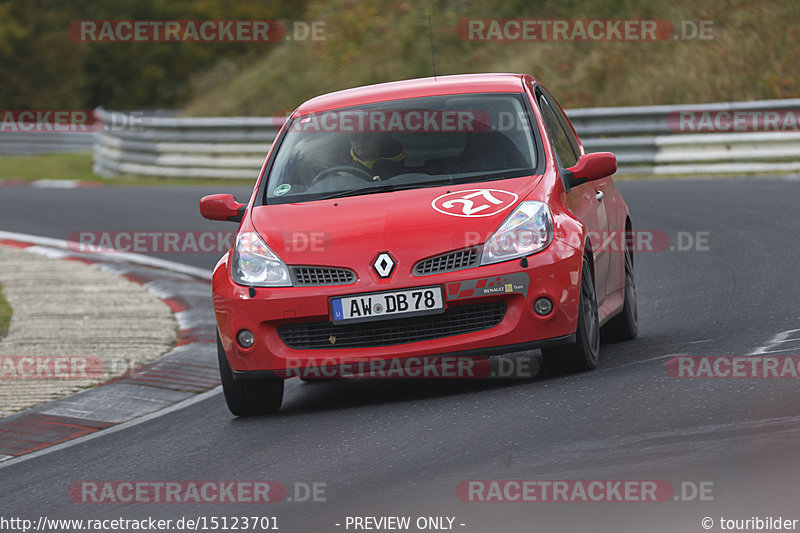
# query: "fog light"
543,306
246,338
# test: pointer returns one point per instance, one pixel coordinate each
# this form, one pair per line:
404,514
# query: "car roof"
415,88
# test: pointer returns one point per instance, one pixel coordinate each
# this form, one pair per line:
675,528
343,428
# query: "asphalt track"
400,448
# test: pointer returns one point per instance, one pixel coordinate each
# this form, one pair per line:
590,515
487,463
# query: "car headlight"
256,265
529,229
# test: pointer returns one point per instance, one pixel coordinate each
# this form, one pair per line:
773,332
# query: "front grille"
311,275
454,321
458,260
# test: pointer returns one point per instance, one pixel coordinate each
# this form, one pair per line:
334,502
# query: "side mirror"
222,207
592,167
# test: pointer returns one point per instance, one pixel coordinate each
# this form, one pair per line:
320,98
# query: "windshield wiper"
447,179
386,187
493,176
359,191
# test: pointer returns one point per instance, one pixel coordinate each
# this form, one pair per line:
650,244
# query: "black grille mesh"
448,262
310,275
454,321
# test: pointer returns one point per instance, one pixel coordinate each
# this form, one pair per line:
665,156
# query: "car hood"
410,225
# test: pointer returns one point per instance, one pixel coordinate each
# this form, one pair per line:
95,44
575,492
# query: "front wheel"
625,326
248,397
581,355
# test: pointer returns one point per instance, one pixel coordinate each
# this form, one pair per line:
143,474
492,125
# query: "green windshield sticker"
282,189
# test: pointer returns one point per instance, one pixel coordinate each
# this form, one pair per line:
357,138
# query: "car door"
585,200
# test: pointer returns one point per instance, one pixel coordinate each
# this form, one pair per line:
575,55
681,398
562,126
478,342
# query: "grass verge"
751,54
78,166
5,314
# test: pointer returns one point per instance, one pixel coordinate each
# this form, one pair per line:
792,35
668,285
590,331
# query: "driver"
379,155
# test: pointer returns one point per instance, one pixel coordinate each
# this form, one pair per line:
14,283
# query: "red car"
456,216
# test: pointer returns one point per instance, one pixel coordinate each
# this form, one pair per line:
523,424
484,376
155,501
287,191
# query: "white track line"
110,254
113,429
131,258
776,340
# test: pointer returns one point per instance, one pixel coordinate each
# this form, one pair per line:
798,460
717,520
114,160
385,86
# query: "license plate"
381,305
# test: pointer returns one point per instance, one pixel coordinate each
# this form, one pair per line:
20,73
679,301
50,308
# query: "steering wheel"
353,171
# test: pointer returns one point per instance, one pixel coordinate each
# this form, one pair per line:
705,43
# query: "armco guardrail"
56,133
232,147
22,143
646,140
662,139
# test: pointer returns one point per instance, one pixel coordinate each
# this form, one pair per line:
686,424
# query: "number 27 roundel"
474,202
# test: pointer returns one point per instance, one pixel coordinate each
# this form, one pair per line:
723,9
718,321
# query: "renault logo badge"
384,265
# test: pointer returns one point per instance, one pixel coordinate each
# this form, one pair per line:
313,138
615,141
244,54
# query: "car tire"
582,354
248,397
625,326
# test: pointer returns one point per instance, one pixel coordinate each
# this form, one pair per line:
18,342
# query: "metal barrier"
59,135
646,140
662,139
232,147
22,143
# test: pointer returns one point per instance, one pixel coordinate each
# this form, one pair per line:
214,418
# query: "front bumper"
280,316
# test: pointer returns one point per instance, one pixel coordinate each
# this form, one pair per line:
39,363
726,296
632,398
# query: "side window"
561,143
563,119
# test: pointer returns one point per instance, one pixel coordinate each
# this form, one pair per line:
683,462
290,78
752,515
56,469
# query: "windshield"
402,144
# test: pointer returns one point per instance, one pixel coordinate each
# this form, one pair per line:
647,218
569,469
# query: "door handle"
599,196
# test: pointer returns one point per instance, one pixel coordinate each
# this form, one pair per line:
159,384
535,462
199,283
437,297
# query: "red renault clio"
456,216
